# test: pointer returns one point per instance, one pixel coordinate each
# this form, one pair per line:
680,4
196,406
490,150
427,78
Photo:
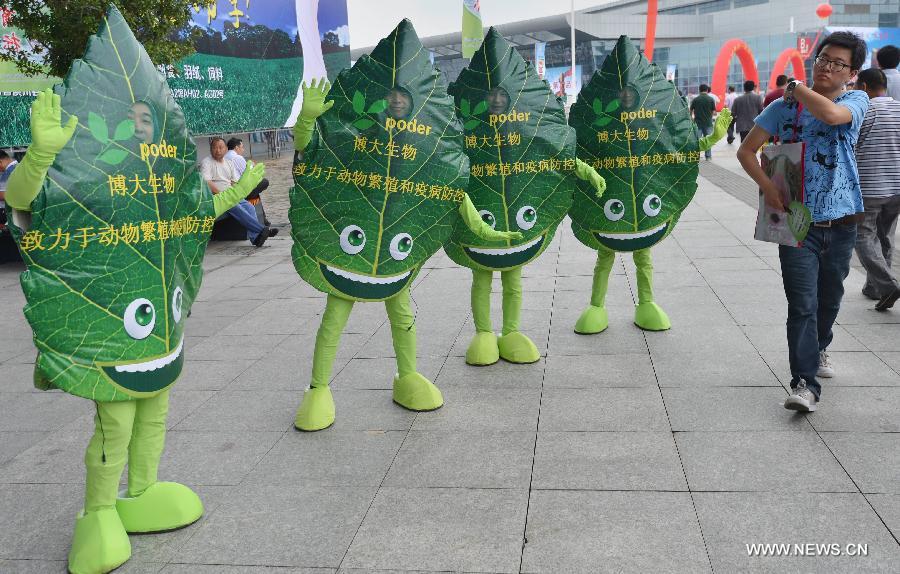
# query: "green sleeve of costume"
587,173
228,198
476,225
719,130
26,180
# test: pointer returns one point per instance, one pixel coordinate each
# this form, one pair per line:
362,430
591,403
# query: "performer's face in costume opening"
498,101
399,103
144,127
628,97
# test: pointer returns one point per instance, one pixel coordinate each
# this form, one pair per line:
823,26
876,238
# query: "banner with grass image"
245,75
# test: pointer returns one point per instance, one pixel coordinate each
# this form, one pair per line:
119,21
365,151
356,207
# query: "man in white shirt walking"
220,174
877,158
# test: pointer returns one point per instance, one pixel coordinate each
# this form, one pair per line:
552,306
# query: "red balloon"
823,10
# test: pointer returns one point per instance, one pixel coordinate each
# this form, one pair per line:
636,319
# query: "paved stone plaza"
620,452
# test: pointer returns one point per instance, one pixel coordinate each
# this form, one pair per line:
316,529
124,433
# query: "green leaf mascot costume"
112,223
380,179
634,127
522,156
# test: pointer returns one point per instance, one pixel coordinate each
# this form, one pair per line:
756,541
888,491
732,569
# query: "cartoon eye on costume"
526,217
488,217
177,298
652,205
614,210
139,318
353,239
401,246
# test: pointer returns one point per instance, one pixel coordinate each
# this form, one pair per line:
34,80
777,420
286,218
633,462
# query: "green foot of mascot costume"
380,179
522,157
637,131
112,224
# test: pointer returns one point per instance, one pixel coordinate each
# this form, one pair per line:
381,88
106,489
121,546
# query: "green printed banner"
114,248
245,76
636,131
471,27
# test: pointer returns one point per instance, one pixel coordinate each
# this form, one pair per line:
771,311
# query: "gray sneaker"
801,400
826,369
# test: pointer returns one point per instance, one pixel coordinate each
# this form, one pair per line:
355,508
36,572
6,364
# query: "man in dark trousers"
702,109
827,120
877,157
745,109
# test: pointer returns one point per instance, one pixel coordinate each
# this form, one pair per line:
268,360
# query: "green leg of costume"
132,432
483,349
594,319
316,412
152,506
515,347
647,315
411,389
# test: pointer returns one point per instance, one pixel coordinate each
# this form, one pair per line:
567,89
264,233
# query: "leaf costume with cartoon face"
118,233
377,191
112,224
522,156
379,187
637,131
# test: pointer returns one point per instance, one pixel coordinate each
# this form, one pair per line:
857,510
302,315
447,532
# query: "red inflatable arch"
732,47
796,60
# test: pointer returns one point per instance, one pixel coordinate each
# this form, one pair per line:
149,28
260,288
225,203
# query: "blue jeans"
705,131
245,214
813,277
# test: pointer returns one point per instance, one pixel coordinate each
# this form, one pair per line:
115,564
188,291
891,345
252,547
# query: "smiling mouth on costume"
504,258
632,241
364,286
148,376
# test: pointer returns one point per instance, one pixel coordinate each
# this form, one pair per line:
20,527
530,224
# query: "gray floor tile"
888,508
616,409
441,529
211,375
222,457
222,569
730,409
456,373
731,521
760,461
475,409
379,373
36,520
858,409
607,461
14,442
44,411
371,410
594,371
872,459
244,411
309,526
329,458
463,459
583,531
703,369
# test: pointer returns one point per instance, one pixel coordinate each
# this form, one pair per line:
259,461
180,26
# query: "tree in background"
58,30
